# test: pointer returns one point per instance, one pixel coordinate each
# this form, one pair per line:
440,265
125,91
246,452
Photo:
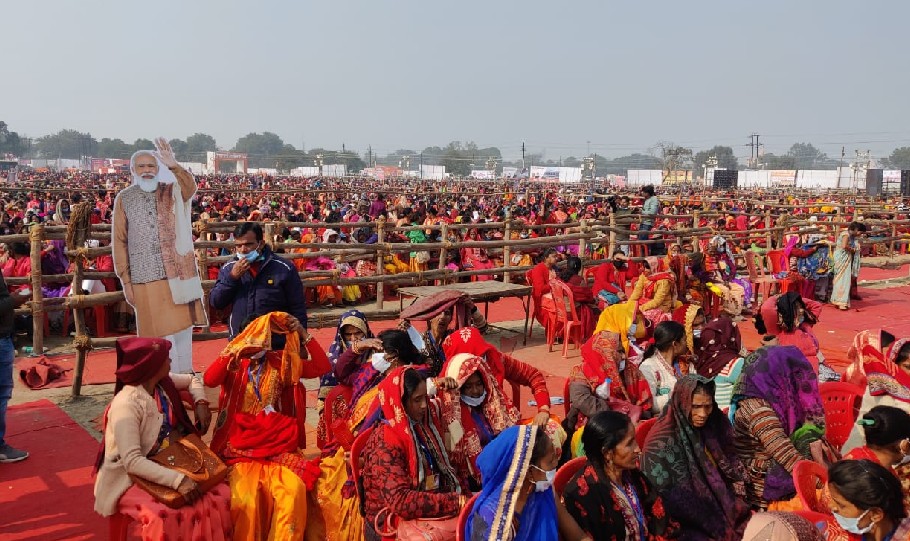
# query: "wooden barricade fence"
593,235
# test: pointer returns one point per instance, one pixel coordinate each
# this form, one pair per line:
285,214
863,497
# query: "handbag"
190,456
418,529
624,406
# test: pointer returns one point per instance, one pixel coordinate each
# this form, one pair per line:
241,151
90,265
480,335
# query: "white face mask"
851,525
259,355
543,486
696,333
379,362
474,401
622,365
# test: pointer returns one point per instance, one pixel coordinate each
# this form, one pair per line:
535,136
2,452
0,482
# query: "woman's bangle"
201,402
543,409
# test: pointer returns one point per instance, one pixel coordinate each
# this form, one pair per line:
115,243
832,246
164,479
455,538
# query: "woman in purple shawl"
690,459
777,416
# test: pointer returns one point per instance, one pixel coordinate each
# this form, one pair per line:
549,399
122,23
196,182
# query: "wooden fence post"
695,220
768,229
36,237
380,260
612,248
444,251
83,342
506,252
582,242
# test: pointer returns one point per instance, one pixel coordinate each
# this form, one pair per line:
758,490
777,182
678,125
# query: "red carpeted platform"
49,495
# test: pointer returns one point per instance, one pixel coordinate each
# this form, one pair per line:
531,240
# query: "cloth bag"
419,529
190,456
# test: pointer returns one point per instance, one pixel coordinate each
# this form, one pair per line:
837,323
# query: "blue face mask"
474,401
622,365
250,256
632,329
851,525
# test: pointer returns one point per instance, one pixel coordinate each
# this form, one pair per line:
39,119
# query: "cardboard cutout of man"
152,243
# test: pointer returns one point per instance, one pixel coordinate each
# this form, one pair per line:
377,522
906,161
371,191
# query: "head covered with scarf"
139,360
460,432
504,465
720,343
868,346
884,376
686,314
620,319
356,319
398,427
694,469
469,340
786,381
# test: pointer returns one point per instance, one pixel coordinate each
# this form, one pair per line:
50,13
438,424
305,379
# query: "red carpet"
49,495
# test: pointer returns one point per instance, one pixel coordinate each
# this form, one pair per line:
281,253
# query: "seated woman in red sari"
585,305
407,473
476,258
539,278
503,367
261,425
602,374
473,413
655,292
610,280
887,383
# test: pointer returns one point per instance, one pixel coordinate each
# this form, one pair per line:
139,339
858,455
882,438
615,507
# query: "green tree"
772,161
70,144
899,158
143,144
10,142
260,148
114,148
806,156
198,144
180,149
725,158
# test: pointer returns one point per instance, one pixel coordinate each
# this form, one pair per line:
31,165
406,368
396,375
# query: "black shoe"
10,454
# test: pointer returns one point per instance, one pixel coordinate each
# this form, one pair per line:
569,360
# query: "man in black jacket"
8,303
257,282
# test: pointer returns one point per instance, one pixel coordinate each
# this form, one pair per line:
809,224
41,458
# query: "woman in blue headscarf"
352,327
517,500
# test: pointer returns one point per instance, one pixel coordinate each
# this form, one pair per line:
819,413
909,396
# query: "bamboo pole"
506,251
36,237
81,331
443,252
380,263
612,247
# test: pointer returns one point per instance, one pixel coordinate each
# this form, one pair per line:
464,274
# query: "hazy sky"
409,74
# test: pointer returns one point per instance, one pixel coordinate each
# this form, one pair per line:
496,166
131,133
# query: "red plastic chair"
642,431
778,261
807,477
566,314
356,454
762,283
565,473
463,517
841,402
537,311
